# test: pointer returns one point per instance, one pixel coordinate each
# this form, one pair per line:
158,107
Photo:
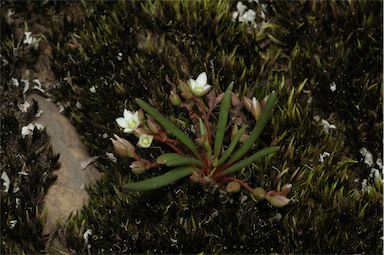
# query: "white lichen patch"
6,181
323,156
368,158
24,107
28,130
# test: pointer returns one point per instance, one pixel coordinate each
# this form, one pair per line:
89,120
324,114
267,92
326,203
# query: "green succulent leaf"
169,126
247,161
182,161
160,181
166,157
222,122
203,132
232,145
260,125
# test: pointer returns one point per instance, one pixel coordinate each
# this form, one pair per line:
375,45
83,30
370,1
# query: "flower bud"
264,101
286,188
233,187
194,177
244,137
234,131
153,126
247,103
256,108
140,131
141,115
259,193
277,200
200,141
235,99
138,167
174,98
145,141
122,147
185,90
219,98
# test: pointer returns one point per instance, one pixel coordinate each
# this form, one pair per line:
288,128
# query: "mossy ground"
29,164
141,49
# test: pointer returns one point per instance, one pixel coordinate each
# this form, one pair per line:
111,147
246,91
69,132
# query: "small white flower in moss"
249,16
323,156
86,235
332,87
92,89
327,126
12,224
28,130
199,87
145,141
129,122
15,82
24,107
30,40
368,157
6,181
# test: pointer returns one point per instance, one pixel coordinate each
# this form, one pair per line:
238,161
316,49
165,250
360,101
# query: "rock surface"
68,194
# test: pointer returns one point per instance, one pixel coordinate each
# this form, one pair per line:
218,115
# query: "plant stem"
231,179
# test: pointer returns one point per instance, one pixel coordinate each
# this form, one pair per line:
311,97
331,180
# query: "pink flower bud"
277,200
140,131
174,98
286,188
122,147
247,103
233,187
185,90
259,193
153,126
138,167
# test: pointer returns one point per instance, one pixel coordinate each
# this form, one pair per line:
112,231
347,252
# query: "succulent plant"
205,159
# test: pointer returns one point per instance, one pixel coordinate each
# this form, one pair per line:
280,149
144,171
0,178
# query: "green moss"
163,41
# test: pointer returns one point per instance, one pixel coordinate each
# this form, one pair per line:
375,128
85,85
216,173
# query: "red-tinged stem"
136,156
202,108
231,179
175,148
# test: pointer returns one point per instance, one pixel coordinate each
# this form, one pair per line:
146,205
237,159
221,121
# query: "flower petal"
192,84
202,79
122,122
127,114
128,130
135,117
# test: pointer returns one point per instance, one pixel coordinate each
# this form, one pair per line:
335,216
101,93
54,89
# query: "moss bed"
28,162
129,49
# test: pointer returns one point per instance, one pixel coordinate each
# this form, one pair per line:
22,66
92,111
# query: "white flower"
327,126
199,86
12,224
129,122
86,235
26,86
332,87
28,130
7,181
368,158
323,156
249,16
241,7
24,107
31,40
145,141
15,82
92,89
